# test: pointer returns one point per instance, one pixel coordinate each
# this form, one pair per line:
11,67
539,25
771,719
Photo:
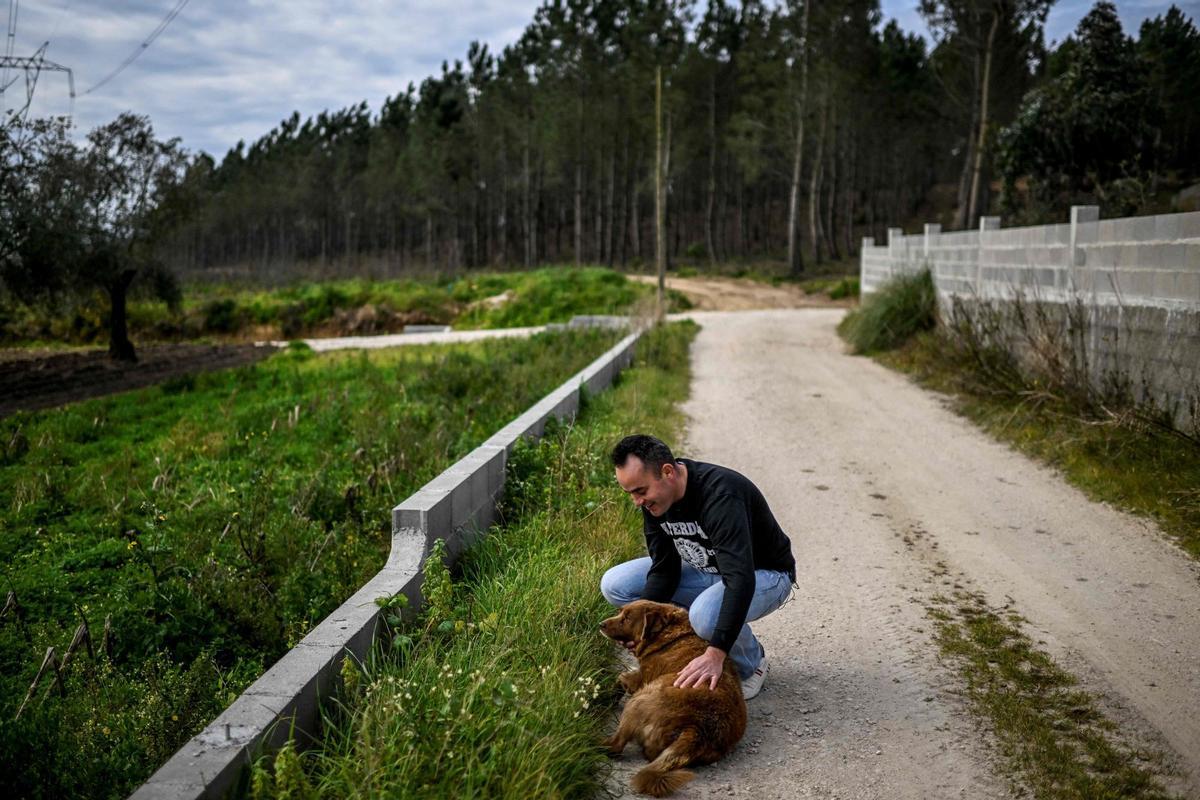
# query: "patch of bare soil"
34,379
742,294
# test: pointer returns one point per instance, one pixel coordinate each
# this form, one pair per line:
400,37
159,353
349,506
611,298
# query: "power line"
10,42
162,26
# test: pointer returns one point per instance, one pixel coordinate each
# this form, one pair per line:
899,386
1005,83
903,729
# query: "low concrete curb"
457,506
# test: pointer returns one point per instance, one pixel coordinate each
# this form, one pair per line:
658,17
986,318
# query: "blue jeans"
701,593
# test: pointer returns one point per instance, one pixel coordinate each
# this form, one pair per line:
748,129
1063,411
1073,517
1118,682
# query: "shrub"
846,287
902,307
220,316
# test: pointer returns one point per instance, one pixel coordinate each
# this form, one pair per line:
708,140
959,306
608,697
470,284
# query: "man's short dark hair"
653,452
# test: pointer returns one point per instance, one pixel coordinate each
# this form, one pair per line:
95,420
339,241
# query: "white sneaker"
753,685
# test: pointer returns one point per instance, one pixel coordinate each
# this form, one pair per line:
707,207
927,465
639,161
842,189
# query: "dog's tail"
665,774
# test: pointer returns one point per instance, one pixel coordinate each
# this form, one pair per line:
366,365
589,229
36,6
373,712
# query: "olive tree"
81,217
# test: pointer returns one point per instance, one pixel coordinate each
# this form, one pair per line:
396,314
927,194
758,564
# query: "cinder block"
1189,225
1127,256
1125,229
1144,228
1047,278
1138,282
1166,227
1148,256
1187,287
1107,281
1191,254
1171,255
1085,280
1165,283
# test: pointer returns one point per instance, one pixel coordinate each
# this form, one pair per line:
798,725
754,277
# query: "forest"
790,131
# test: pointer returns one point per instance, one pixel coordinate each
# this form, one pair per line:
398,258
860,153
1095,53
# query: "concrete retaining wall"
1137,281
457,506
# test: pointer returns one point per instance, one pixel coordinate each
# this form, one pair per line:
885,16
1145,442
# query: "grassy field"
502,690
480,300
213,520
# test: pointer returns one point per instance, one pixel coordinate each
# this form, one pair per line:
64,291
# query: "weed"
846,287
216,522
505,688
1050,729
900,308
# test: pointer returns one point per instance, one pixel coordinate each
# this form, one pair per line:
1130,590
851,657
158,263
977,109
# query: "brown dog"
676,727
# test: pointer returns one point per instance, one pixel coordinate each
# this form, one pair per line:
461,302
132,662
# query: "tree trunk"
598,237
815,180
528,205
119,346
502,223
429,239
612,190
635,224
831,245
981,143
667,221
711,201
660,233
962,211
578,213
795,259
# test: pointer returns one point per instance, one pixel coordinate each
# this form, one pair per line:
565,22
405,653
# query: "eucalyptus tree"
971,37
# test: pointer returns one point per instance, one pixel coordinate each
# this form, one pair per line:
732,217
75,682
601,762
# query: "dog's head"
642,622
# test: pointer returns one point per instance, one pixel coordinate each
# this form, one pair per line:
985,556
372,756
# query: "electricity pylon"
32,67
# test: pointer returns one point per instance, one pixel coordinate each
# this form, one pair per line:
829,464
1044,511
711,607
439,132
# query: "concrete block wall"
1137,279
457,506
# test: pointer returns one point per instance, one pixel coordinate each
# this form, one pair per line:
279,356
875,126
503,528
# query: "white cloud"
228,70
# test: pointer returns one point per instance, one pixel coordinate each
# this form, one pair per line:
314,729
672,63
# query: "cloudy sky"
225,70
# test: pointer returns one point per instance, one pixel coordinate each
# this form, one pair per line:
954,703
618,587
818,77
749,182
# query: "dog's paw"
630,681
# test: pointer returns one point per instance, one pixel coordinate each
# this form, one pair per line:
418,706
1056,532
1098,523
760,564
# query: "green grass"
886,319
1050,730
502,690
552,294
1124,460
216,518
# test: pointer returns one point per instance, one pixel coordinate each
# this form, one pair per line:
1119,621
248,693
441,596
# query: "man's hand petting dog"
705,668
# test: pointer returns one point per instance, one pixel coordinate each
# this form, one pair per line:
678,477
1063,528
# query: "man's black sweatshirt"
723,526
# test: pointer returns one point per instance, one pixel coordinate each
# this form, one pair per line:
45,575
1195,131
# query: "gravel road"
854,460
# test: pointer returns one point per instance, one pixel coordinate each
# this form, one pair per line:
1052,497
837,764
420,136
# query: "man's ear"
667,471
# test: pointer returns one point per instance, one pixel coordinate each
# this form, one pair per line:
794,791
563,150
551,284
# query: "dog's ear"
653,622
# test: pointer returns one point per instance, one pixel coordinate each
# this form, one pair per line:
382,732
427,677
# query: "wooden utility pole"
660,236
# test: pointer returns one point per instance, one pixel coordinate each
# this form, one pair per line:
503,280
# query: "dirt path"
853,459
739,294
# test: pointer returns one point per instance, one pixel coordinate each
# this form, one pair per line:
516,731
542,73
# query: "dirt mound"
33,380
